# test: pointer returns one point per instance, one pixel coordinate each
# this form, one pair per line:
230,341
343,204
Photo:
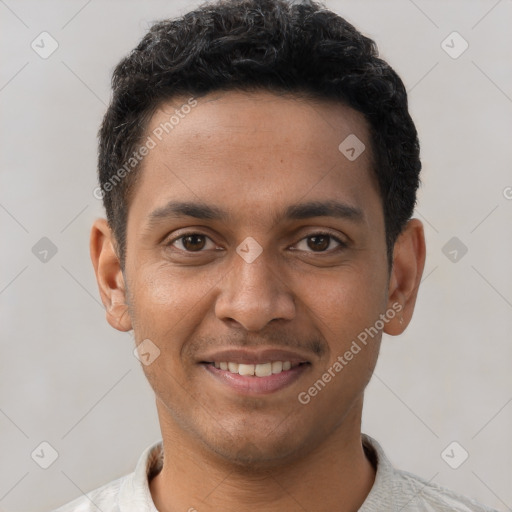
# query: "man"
259,168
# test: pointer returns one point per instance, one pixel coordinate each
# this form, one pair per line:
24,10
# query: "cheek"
353,297
155,289
161,291
156,305
346,309
168,304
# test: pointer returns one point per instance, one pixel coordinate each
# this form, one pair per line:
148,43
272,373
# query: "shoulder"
395,489
126,494
105,498
420,495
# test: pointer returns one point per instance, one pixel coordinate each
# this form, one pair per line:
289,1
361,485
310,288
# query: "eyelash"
342,244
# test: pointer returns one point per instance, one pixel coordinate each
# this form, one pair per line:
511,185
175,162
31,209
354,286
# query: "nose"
253,294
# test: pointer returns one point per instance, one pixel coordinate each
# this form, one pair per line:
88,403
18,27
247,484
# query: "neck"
335,475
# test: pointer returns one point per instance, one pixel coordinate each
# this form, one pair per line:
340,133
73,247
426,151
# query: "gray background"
69,379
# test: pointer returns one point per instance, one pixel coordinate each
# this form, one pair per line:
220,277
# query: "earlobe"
408,264
109,275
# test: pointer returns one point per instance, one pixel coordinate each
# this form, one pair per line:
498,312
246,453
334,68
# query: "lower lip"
250,384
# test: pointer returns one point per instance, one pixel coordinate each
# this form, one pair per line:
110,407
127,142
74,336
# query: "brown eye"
191,242
320,242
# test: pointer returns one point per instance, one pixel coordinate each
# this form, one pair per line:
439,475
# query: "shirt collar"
384,476
134,494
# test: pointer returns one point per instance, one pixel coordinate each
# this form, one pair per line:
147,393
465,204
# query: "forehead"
252,152
244,118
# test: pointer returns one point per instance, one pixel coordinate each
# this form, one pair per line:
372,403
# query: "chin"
255,450
250,457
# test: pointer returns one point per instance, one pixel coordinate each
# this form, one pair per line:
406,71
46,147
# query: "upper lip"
254,356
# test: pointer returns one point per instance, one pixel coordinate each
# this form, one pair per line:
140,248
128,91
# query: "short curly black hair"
274,45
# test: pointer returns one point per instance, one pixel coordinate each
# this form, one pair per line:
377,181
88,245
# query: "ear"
109,275
408,263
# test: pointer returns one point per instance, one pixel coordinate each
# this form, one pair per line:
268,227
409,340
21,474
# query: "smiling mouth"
255,370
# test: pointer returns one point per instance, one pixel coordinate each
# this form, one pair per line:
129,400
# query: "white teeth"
246,369
277,366
259,370
263,370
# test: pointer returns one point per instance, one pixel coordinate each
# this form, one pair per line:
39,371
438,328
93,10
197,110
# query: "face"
255,245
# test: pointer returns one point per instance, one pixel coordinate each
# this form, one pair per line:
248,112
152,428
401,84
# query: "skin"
253,155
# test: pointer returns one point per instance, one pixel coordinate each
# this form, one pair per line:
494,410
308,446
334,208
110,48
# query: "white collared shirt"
393,490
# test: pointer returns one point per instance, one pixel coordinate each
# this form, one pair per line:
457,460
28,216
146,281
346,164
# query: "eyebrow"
299,211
